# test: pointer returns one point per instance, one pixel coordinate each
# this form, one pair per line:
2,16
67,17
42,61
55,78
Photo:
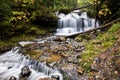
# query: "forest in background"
27,16
26,19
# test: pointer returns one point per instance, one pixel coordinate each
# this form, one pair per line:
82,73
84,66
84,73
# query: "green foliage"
108,9
84,2
5,13
14,40
23,16
114,28
5,8
98,45
18,15
79,38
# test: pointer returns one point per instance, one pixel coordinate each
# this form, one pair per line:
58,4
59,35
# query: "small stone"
70,59
60,38
96,60
97,77
25,43
9,67
116,72
12,78
78,56
64,55
53,58
56,77
25,71
80,70
94,68
33,53
47,78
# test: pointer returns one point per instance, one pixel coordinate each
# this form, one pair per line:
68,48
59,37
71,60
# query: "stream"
50,58
75,22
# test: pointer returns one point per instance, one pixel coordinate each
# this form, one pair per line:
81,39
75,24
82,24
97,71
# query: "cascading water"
13,61
73,23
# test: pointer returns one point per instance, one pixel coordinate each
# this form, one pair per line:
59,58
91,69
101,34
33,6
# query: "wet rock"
53,58
35,54
69,40
25,71
82,48
94,67
78,56
97,60
64,55
10,67
25,43
30,46
47,78
56,53
60,38
12,78
70,71
70,59
97,77
4,49
56,77
80,70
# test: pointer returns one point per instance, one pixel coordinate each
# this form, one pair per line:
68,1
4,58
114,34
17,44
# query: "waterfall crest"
74,23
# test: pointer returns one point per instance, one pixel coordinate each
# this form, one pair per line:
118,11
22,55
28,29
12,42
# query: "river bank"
81,58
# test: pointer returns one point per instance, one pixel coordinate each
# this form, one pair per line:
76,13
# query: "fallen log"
100,27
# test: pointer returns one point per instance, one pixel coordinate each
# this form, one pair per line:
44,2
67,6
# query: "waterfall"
73,23
13,61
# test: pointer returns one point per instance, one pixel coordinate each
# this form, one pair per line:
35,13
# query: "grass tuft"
100,44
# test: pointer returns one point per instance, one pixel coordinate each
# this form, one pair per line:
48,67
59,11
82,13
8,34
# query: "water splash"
13,61
74,23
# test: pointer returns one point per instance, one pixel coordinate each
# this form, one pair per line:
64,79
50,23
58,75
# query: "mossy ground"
13,41
101,43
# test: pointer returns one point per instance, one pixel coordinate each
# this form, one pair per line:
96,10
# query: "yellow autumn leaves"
104,11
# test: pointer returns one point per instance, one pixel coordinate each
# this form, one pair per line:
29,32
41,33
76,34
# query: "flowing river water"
14,64
75,22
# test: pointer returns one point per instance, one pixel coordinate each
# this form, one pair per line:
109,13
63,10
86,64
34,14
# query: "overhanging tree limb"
69,10
85,6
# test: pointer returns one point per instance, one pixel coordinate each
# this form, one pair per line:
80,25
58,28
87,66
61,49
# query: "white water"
17,61
74,23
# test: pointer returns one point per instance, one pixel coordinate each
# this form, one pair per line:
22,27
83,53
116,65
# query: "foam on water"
74,23
12,61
